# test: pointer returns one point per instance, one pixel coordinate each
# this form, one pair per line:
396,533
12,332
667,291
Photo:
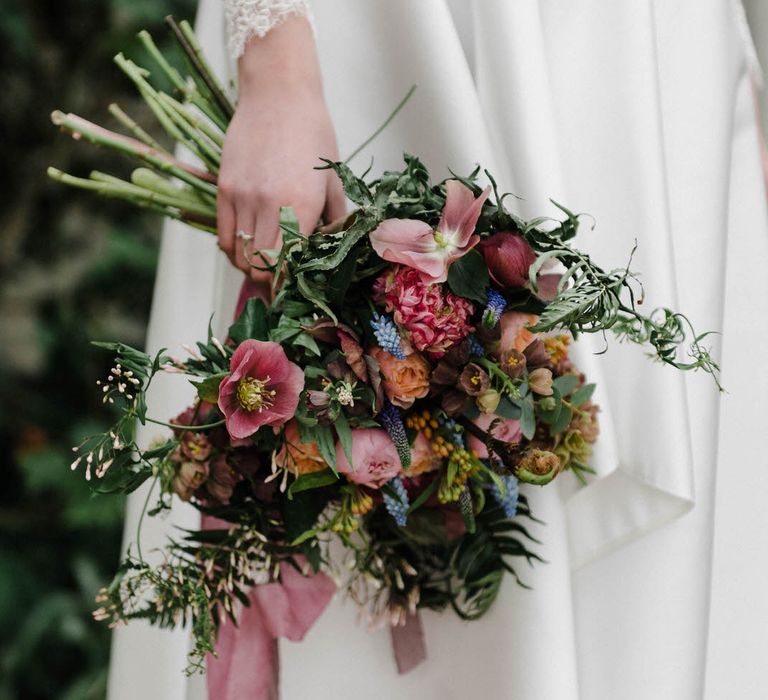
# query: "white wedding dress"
639,112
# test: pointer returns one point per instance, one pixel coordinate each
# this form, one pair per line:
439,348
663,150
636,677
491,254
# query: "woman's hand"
280,129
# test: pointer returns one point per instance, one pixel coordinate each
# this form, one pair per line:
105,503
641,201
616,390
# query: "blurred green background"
72,268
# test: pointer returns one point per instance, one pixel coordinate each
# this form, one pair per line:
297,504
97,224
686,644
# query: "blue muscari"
475,348
397,507
387,336
508,501
390,419
457,436
494,308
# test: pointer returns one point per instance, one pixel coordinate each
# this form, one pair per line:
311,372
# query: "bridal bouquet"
410,372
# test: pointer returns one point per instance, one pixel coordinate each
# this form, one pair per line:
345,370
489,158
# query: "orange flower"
514,332
557,347
405,380
423,458
296,456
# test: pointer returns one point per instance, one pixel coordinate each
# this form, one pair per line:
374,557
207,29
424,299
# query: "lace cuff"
249,18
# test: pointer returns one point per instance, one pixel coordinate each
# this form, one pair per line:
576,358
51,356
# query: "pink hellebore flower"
374,458
431,251
262,389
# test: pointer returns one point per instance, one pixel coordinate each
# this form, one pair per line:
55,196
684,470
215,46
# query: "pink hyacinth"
262,389
432,317
431,251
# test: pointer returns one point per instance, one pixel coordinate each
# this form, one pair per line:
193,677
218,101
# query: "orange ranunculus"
405,380
514,332
296,456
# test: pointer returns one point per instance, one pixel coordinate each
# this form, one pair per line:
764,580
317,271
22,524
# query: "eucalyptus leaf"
528,419
562,422
566,384
582,395
506,409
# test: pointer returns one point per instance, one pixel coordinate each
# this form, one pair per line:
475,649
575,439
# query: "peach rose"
423,457
404,381
514,333
296,456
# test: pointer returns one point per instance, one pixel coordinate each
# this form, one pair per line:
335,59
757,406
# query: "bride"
638,112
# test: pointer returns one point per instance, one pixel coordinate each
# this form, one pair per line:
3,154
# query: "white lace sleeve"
249,18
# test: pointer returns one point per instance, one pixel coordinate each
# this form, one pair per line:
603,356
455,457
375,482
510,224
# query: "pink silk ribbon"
408,643
247,662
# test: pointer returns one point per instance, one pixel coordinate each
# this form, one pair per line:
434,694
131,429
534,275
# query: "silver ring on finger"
243,236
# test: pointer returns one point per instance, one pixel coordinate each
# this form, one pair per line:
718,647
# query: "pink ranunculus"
433,319
374,458
431,251
506,430
508,257
263,388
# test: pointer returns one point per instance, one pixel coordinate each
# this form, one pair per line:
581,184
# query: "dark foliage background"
72,268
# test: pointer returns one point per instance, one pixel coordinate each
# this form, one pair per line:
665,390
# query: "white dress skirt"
640,113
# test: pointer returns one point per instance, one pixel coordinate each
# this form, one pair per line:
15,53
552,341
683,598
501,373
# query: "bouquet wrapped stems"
167,184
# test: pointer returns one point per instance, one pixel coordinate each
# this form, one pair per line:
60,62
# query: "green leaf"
323,436
424,495
566,384
496,479
295,309
289,223
550,416
339,250
313,295
354,187
305,340
252,322
303,537
313,480
582,395
562,422
300,513
345,435
528,419
468,277
506,409
286,328
208,389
